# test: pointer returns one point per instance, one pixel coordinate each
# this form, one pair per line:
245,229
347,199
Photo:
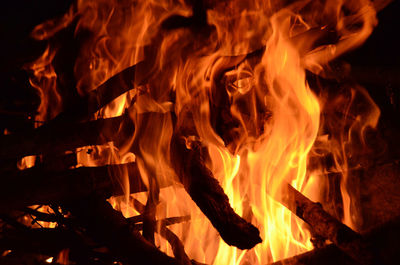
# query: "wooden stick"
49,242
36,186
135,220
149,213
120,83
176,245
39,216
384,241
209,196
111,228
60,138
325,225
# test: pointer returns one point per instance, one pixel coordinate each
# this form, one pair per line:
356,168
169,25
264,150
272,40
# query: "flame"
6,252
235,73
63,257
44,80
26,162
30,220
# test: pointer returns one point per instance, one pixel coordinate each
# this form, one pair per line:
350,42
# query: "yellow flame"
26,162
238,82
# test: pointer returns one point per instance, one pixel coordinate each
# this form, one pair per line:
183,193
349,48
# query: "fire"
44,80
26,162
234,75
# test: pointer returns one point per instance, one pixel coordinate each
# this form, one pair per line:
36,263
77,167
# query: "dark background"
18,100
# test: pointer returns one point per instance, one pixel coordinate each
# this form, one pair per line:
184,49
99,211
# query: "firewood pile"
60,213
83,191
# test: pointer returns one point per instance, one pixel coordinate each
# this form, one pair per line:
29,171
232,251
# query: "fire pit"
199,132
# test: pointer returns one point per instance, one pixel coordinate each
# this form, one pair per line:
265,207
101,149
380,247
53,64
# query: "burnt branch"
326,226
136,221
120,83
40,216
111,228
209,196
56,138
149,214
384,241
37,186
176,245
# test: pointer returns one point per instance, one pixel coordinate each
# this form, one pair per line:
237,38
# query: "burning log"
73,187
176,244
39,216
50,241
120,83
19,242
326,226
206,192
45,187
55,138
384,241
112,229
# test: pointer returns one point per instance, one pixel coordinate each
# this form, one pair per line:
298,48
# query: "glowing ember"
6,252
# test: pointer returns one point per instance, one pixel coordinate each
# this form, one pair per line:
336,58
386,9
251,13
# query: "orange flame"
45,81
241,77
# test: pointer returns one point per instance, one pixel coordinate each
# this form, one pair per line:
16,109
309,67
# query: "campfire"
198,132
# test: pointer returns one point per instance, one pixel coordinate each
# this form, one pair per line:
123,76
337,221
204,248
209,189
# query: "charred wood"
36,242
55,138
176,244
40,216
175,220
384,241
20,243
112,229
36,186
209,196
136,221
326,226
47,241
57,162
120,83
149,214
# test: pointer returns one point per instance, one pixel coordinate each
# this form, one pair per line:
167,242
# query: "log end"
241,234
